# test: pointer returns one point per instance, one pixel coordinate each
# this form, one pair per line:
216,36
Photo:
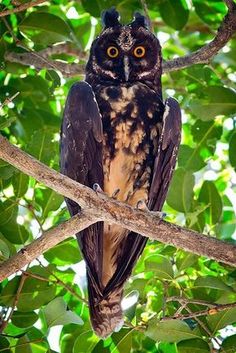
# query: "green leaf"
65,253
8,211
181,190
174,12
24,319
4,251
232,150
34,294
23,345
210,11
56,314
209,195
185,260
189,158
160,265
6,170
228,345
193,345
123,341
216,100
4,344
15,233
50,201
6,122
85,342
41,146
45,28
20,183
221,319
170,331
213,283
206,133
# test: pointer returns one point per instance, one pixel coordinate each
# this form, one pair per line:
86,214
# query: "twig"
9,100
19,289
63,284
101,208
21,7
145,9
214,310
63,48
185,301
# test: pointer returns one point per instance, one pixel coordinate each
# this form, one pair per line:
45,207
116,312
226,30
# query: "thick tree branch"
100,207
202,56
21,7
49,239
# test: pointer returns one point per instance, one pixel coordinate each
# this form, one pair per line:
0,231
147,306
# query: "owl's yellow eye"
113,52
139,51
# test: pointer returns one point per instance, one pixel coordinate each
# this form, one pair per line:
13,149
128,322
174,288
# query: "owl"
119,136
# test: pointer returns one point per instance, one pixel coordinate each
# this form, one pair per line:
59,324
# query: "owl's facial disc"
125,53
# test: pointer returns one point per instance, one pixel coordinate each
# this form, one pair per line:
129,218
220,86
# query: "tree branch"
202,56
21,7
214,310
101,208
49,239
208,51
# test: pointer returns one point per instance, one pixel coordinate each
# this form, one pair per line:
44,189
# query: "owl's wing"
81,160
164,165
166,155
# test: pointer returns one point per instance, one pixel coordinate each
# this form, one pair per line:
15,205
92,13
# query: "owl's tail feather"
106,313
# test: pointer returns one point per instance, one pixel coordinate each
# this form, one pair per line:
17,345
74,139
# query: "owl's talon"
97,188
159,214
115,193
141,205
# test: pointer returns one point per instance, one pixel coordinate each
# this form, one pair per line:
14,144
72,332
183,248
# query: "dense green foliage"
200,196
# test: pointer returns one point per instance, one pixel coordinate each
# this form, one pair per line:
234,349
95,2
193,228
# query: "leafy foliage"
200,197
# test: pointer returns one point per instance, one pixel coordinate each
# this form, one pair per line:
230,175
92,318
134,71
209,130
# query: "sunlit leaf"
56,314
170,331
181,190
209,196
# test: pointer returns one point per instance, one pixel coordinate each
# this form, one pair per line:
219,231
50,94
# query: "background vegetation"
52,290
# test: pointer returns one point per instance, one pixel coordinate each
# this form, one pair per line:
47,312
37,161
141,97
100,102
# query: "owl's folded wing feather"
164,165
166,155
81,160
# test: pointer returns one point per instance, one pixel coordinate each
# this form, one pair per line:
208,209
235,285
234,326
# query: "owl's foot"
97,188
115,193
141,205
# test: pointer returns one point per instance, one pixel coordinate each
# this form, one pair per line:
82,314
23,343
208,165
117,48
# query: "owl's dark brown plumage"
117,132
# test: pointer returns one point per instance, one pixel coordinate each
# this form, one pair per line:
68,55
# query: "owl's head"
125,53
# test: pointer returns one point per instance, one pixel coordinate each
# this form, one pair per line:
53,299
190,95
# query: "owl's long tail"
105,312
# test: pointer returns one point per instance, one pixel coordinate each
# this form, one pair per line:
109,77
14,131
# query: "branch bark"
202,56
21,7
101,208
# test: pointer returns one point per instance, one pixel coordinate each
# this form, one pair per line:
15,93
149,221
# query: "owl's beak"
126,68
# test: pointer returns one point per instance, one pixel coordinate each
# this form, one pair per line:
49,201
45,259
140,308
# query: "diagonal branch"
101,208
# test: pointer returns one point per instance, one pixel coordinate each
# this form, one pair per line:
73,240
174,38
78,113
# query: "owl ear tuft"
110,18
140,21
